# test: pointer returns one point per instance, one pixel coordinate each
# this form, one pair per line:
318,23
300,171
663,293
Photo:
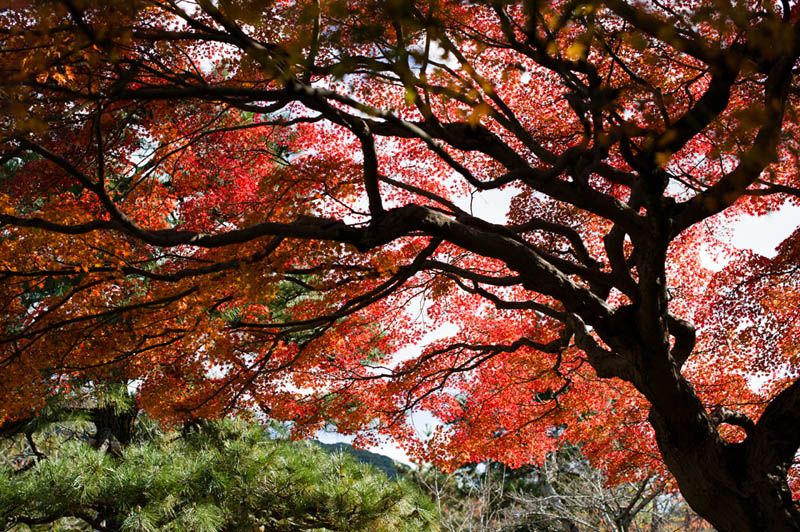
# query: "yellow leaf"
662,158
576,51
478,111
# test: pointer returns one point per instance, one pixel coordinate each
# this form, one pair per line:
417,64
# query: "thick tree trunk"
726,488
737,487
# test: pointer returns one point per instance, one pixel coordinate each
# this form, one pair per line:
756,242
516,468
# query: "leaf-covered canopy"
244,203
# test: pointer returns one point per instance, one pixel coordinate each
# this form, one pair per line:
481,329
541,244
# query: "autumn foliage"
271,205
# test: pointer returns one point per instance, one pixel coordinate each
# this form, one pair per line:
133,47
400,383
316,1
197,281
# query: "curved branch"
503,304
763,152
359,302
775,438
723,414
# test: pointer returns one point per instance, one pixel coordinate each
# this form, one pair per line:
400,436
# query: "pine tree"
74,469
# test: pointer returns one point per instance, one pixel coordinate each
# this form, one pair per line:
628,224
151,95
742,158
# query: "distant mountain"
379,461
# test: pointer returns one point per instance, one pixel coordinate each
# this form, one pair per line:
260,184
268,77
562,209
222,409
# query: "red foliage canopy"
241,204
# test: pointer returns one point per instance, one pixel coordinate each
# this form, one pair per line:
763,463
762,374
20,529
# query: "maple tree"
237,204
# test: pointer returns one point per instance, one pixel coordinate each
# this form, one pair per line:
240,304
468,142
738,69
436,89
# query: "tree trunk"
722,485
113,425
737,487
